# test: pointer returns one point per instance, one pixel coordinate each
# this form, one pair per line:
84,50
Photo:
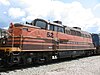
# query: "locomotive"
96,42
42,41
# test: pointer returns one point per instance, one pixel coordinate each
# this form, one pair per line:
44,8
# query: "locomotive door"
55,43
55,38
54,35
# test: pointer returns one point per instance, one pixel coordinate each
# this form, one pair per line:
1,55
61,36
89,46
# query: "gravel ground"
82,66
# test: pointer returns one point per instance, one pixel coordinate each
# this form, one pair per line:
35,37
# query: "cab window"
56,28
50,27
41,24
61,29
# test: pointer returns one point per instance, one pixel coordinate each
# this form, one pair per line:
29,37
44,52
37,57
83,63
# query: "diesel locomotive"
96,42
41,41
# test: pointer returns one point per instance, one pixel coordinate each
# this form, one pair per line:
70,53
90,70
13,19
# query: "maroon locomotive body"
43,41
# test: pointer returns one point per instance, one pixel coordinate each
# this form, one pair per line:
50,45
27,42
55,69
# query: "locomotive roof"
25,25
71,28
52,23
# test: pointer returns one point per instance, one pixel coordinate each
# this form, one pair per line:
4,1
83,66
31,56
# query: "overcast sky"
80,13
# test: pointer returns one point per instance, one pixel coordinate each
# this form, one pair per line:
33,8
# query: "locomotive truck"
42,41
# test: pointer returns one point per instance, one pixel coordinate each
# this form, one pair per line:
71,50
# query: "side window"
56,28
82,35
78,33
41,24
50,27
73,32
61,29
67,30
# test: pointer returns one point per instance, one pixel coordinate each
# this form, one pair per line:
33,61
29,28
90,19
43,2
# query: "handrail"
21,41
13,41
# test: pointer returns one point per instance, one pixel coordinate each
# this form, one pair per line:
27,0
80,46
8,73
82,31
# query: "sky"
72,13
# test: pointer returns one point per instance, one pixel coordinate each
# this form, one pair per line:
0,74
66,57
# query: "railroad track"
23,68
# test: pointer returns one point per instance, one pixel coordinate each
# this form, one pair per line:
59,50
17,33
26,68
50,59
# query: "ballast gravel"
82,66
